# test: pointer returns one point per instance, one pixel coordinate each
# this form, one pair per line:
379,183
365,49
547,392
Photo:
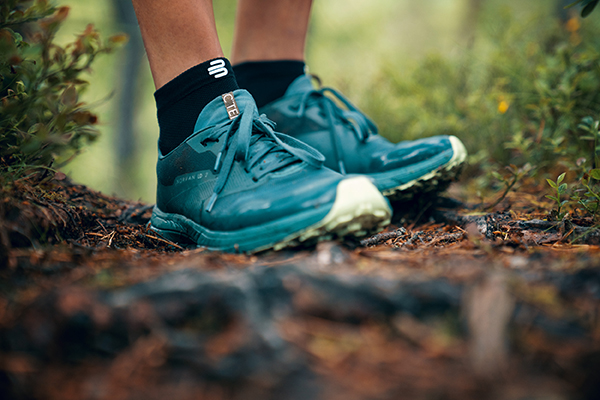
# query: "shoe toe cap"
412,152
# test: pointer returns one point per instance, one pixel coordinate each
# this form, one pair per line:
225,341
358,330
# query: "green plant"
588,197
560,189
590,127
515,175
43,123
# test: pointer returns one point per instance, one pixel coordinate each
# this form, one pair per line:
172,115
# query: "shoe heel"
170,229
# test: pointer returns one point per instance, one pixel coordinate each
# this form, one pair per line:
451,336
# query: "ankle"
180,101
268,80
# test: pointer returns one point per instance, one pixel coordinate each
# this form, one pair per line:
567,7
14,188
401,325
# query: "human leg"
270,30
268,60
226,180
347,138
178,35
181,41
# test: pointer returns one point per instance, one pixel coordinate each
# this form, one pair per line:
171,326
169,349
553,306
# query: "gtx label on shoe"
230,104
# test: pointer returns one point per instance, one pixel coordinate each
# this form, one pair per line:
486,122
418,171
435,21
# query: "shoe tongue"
300,85
223,108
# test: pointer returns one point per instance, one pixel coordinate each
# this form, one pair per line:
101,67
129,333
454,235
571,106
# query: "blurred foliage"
526,94
587,6
42,121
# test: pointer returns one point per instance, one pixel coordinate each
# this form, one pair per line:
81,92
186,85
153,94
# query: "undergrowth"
524,96
43,124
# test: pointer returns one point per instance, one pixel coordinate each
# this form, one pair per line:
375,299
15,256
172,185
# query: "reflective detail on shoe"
358,210
327,121
237,185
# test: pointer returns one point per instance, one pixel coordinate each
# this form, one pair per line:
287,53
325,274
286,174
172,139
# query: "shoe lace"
251,140
351,117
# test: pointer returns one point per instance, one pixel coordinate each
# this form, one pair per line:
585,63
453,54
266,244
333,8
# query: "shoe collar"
300,85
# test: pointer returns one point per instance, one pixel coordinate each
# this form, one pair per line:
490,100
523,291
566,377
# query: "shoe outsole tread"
432,182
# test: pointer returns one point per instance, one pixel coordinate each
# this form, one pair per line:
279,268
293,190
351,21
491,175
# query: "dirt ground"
450,302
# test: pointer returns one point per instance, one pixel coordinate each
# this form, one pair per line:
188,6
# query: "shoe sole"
436,180
358,211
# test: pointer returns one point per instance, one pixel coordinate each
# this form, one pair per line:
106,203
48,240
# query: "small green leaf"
562,188
595,173
561,177
497,176
587,10
551,197
588,121
551,183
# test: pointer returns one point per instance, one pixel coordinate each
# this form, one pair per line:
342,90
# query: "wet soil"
450,302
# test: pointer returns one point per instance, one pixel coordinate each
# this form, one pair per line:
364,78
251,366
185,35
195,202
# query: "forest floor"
450,302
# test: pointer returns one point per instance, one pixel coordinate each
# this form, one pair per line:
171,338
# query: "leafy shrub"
42,121
519,97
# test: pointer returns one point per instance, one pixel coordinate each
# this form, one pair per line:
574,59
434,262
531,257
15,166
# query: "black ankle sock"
267,80
180,101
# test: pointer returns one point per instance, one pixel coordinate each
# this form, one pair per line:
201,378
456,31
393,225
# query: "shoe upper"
235,167
327,121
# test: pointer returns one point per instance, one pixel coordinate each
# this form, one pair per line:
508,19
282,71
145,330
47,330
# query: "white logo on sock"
218,69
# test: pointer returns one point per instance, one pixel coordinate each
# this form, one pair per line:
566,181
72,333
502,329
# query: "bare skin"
267,30
177,35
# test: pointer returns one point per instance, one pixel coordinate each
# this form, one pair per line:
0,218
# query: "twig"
382,237
451,236
413,239
164,241
410,228
100,223
111,237
94,234
461,229
508,187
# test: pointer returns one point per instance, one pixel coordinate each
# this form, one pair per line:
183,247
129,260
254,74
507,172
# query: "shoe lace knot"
251,140
350,116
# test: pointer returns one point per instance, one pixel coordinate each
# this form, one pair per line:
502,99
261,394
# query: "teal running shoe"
327,121
236,185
